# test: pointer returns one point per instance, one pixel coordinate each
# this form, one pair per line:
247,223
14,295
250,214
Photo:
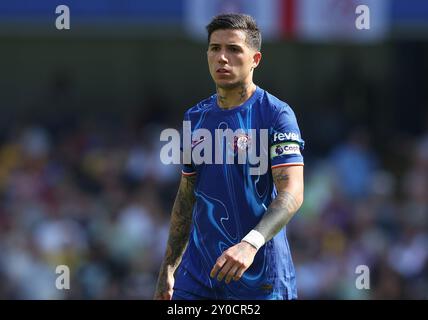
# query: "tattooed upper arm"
280,177
289,178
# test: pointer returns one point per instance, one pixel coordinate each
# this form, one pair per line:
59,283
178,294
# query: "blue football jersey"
230,200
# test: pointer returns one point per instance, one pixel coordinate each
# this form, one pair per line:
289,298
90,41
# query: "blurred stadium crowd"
96,198
88,199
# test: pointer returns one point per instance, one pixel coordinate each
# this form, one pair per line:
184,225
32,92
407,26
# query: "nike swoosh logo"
195,143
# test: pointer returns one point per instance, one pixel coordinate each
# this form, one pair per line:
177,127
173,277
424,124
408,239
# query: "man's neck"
230,98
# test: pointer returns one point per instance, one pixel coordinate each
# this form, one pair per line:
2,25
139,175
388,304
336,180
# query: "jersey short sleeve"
286,144
187,168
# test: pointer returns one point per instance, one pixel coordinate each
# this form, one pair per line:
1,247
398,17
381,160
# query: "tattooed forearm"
179,232
181,219
285,205
278,214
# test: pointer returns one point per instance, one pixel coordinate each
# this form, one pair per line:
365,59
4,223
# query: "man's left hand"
234,262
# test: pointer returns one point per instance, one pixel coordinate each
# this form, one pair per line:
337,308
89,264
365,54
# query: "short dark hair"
237,21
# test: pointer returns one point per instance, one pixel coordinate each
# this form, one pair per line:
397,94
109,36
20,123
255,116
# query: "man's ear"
256,59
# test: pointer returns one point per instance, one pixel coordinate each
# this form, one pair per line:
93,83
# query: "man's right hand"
165,287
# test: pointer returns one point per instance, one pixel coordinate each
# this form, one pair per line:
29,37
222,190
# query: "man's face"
230,59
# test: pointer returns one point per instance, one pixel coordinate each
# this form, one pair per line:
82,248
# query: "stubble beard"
230,86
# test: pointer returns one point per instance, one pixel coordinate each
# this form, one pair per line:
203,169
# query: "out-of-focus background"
81,181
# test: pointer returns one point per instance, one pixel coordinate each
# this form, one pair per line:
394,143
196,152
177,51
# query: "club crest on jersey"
241,142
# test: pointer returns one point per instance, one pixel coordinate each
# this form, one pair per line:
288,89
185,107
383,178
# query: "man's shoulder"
274,104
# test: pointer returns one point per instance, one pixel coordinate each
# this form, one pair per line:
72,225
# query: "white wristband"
255,238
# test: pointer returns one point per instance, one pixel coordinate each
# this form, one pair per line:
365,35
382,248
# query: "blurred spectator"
354,164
